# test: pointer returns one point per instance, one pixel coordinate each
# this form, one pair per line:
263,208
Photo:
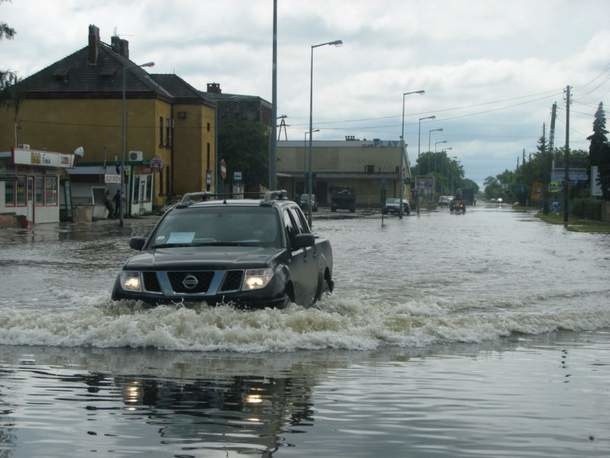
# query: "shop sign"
111,178
42,158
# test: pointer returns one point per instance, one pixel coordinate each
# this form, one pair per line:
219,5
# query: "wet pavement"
448,335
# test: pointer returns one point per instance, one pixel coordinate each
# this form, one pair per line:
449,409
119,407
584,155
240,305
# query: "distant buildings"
365,166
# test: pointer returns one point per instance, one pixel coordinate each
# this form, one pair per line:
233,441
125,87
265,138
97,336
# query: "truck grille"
151,283
181,281
232,281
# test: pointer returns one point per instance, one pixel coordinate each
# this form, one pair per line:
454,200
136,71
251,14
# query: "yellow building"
170,142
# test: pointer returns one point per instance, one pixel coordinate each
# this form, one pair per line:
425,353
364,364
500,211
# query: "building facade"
367,167
77,103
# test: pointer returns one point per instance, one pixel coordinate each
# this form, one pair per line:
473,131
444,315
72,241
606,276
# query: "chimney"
124,47
115,43
94,44
214,88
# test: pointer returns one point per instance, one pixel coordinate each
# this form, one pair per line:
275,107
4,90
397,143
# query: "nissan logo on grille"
190,281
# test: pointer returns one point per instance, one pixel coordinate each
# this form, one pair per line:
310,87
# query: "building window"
167,133
161,188
51,190
39,191
160,130
208,127
167,181
136,189
21,191
9,192
148,188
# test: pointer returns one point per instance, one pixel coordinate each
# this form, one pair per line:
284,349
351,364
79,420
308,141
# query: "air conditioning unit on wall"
135,156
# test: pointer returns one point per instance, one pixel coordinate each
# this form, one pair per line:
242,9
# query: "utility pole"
552,130
566,169
546,176
272,140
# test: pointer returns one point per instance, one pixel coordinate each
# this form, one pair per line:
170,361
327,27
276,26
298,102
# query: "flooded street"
485,334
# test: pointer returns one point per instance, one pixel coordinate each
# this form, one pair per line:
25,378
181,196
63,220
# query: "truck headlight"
257,278
131,281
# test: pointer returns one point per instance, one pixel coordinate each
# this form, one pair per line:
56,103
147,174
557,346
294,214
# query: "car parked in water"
392,206
252,252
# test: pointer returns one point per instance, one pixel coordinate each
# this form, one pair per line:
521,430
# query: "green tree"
6,77
244,147
598,138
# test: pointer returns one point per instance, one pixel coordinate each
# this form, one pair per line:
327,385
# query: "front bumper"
273,295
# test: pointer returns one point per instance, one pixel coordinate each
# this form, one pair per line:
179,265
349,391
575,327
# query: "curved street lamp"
438,143
402,150
310,179
440,129
419,132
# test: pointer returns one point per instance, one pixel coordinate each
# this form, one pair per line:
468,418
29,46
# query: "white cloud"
462,53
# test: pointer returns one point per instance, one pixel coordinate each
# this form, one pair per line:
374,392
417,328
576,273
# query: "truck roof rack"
270,196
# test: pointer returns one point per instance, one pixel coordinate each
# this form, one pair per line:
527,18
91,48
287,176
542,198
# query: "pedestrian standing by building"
117,203
108,204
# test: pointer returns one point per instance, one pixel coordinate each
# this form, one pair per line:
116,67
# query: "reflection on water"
544,396
408,295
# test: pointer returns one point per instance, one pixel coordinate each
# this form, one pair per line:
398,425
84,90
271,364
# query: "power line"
442,110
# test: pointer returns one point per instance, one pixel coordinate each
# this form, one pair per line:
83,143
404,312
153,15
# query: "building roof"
226,97
180,90
74,77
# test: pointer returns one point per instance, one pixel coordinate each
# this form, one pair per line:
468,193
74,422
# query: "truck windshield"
221,226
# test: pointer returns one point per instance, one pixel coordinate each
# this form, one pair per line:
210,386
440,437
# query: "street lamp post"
437,143
402,150
305,159
310,178
419,133
124,137
440,129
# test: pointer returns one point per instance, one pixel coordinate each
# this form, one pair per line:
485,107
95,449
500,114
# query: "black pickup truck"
251,252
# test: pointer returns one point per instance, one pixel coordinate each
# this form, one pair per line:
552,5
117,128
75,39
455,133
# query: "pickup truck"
249,252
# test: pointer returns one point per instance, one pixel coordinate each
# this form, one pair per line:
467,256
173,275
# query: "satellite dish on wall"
80,151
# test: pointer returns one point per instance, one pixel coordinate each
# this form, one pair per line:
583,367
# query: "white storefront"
90,183
30,184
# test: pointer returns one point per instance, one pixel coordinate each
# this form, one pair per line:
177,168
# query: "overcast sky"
491,69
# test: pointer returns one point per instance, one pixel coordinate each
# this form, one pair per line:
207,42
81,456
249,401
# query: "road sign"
156,162
237,175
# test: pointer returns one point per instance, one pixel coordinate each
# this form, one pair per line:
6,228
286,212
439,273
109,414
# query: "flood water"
485,334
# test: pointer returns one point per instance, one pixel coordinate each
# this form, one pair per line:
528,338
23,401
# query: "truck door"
310,255
297,265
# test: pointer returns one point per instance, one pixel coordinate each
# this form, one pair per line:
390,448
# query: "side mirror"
303,240
137,243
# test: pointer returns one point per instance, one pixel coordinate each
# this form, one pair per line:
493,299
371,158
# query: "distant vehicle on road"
252,252
444,201
392,206
457,206
343,198
306,199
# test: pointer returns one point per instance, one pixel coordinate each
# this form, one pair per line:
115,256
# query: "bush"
587,208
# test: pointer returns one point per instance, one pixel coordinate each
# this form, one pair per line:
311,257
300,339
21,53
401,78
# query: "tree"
243,145
6,77
598,139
